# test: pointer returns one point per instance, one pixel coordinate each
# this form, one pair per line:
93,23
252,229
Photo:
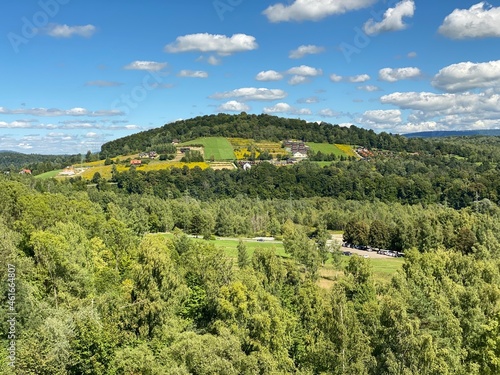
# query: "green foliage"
192,156
243,259
97,294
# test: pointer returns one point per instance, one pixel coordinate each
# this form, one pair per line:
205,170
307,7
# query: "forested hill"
258,127
454,133
16,160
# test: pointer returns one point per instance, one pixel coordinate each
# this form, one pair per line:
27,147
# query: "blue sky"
75,74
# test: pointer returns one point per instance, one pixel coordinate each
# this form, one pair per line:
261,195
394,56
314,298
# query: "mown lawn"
217,147
326,148
47,175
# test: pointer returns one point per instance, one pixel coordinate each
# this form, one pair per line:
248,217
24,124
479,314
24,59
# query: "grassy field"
326,148
383,269
47,175
323,163
218,147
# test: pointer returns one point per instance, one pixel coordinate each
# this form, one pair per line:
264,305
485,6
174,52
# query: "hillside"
258,127
454,133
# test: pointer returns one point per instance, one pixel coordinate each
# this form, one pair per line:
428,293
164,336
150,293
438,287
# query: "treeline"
411,180
12,162
258,127
95,294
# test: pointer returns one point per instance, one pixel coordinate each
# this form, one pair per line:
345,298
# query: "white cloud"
412,55
310,100
304,70
151,66
269,75
212,60
369,88
193,74
65,31
382,118
287,108
393,19
352,79
335,78
101,83
359,78
479,21
393,75
312,10
251,93
305,50
204,42
429,105
297,80
468,76
54,112
233,106
327,112
17,124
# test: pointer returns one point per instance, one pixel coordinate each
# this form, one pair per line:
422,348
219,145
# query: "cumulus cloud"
382,118
393,19
101,83
335,78
19,124
304,70
269,75
352,79
394,75
233,106
312,10
468,76
192,74
327,112
297,80
151,66
65,31
251,93
305,50
426,105
449,111
287,109
479,21
220,44
359,78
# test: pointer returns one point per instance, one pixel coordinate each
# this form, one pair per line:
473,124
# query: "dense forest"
105,277
97,292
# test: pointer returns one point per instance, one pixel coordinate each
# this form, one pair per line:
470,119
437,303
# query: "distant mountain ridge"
453,133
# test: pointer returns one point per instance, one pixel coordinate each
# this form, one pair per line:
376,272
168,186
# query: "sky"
75,74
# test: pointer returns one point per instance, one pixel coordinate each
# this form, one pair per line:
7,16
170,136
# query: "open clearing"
48,175
217,147
326,148
383,267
